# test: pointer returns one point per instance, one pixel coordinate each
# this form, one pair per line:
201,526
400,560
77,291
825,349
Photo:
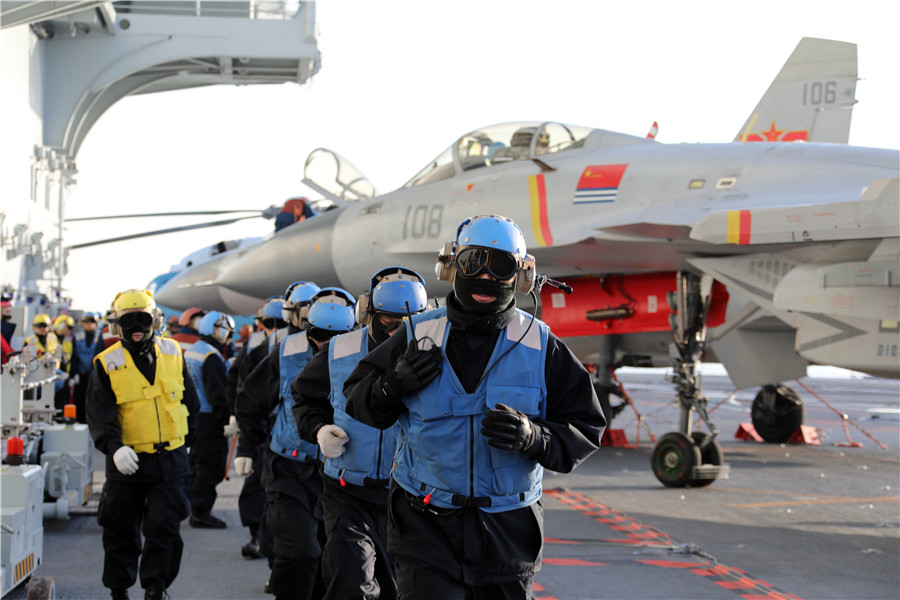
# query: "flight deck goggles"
473,261
274,323
135,320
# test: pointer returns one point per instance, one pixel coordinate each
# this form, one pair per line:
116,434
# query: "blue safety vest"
368,455
442,454
84,351
294,352
194,357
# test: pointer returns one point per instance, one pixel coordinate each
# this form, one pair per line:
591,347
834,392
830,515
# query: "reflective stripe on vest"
151,416
442,451
295,351
368,455
194,357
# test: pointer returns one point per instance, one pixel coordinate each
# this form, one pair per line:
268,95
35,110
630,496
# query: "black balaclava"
140,347
379,332
464,287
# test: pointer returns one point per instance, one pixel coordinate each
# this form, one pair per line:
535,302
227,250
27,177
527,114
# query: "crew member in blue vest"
356,472
252,499
209,371
82,359
142,414
293,513
486,397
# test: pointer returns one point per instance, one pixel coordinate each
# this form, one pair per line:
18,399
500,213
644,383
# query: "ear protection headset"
135,298
393,289
492,232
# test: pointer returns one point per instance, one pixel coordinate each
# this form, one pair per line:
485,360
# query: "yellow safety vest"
52,342
148,414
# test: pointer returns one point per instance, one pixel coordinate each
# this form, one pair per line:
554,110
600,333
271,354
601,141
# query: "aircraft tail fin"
811,99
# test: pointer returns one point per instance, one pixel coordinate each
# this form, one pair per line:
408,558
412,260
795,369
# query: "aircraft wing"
833,276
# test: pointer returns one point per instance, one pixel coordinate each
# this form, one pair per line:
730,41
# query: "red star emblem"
773,134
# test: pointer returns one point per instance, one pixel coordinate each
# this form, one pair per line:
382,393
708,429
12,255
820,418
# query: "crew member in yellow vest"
62,327
142,411
42,338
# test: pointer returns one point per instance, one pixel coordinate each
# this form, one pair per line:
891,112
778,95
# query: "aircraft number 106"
423,221
819,92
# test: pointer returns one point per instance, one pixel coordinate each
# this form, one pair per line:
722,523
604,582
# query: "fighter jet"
764,256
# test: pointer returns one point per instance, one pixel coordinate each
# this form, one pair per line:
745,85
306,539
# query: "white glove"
331,440
243,465
232,428
126,460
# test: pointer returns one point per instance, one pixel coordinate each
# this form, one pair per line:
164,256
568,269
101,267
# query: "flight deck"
798,521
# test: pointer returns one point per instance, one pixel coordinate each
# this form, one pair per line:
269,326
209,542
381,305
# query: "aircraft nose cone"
299,252
197,286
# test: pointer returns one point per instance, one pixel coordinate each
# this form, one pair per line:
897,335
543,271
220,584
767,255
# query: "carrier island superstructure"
62,65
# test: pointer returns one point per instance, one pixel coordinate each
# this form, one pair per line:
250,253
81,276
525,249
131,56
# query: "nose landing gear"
685,458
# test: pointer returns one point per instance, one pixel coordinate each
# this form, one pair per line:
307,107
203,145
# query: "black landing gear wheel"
674,458
777,412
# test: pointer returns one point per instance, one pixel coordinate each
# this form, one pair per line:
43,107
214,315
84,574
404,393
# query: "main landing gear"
685,458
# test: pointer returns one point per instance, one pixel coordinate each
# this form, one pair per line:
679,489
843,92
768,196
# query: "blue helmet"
297,299
398,290
332,310
216,324
492,231
272,308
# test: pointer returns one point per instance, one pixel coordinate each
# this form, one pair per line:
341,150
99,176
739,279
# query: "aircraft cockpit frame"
497,144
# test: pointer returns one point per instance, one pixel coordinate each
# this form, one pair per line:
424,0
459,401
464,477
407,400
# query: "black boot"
251,549
118,594
156,591
207,521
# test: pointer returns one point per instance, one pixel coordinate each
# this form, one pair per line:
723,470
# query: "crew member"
486,397
107,337
142,413
356,472
209,455
43,339
290,466
188,323
252,499
7,327
65,392
83,360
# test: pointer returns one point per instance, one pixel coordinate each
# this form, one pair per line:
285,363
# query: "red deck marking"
573,562
668,563
559,541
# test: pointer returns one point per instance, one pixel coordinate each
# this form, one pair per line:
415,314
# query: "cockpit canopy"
501,143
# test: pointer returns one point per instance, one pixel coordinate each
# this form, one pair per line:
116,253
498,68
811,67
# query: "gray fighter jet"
764,256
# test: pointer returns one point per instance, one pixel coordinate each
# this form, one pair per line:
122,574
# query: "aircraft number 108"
423,221
819,92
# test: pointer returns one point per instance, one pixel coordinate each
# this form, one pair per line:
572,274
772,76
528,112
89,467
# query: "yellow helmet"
41,319
67,319
134,299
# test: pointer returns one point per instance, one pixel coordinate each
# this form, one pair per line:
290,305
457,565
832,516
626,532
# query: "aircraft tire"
711,455
674,458
777,412
41,588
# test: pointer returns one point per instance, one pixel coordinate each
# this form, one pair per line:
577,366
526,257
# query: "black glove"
507,429
412,371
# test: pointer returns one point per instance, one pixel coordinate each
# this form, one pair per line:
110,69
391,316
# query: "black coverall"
355,561
152,501
466,552
293,511
252,499
210,452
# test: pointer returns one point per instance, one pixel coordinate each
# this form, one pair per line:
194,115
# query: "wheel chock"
615,438
805,435
746,431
